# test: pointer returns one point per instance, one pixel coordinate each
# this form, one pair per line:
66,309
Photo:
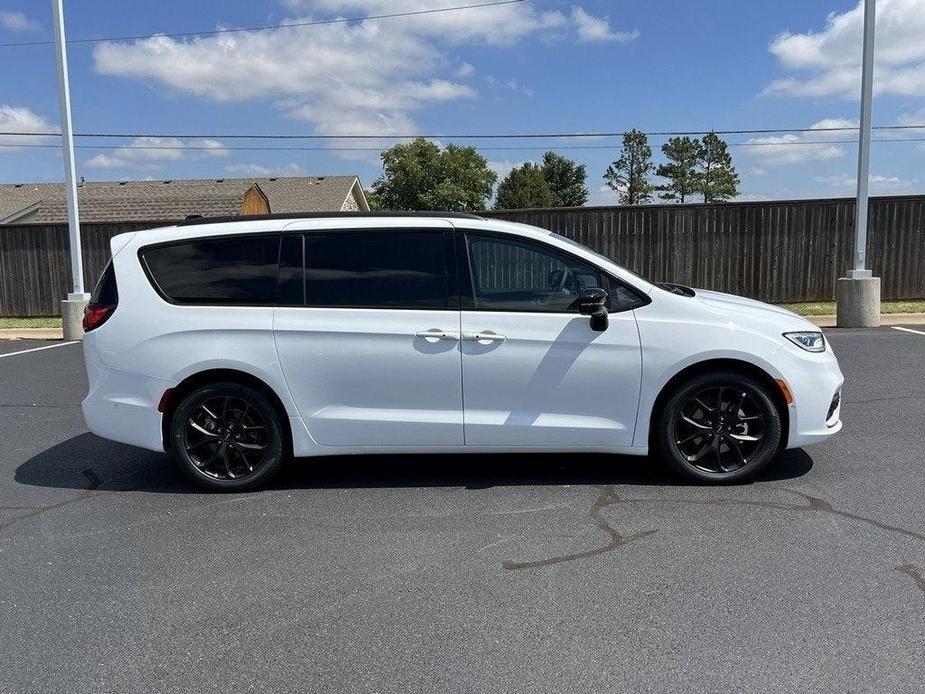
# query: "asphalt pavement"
539,573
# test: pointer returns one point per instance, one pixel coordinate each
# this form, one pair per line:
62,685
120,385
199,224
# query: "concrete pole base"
857,302
72,315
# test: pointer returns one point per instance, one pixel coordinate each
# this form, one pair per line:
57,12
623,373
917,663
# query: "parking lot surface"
464,574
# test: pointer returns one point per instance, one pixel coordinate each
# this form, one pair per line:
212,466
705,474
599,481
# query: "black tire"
719,427
227,437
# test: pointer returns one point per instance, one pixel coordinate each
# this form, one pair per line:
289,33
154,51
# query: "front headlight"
810,341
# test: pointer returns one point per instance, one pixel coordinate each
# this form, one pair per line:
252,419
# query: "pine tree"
566,180
683,154
718,179
629,175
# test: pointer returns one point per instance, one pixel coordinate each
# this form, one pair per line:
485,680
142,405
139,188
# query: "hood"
751,308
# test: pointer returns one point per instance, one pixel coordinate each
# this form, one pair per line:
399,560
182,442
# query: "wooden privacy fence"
35,268
784,251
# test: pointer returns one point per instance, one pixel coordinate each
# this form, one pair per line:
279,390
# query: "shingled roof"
174,200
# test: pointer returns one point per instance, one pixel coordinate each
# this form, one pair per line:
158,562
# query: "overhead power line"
458,136
198,148
292,25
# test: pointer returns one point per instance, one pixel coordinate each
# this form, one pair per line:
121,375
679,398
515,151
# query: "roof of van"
194,221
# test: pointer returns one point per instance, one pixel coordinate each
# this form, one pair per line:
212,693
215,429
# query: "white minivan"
234,344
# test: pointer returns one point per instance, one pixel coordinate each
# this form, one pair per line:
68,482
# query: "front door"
534,372
370,346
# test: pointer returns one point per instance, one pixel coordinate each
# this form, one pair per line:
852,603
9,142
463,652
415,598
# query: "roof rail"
196,220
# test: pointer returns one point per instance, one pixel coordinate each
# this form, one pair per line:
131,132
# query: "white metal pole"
867,92
67,137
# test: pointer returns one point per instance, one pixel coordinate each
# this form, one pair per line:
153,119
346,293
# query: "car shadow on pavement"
89,462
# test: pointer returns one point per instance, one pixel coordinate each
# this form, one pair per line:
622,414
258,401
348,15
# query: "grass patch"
20,323
827,308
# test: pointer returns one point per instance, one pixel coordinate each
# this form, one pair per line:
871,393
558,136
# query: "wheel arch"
222,375
722,364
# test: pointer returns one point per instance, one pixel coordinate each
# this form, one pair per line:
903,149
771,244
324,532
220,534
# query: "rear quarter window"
236,270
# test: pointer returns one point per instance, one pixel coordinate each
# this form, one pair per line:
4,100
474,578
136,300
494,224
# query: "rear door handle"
486,337
435,335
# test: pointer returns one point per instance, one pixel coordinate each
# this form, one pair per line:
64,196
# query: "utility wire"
195,148
293,25
461,136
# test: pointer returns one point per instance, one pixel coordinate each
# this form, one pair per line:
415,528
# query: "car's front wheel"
227,437
719,427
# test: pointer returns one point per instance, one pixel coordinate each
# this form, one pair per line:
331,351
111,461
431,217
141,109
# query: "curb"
885,319
31,334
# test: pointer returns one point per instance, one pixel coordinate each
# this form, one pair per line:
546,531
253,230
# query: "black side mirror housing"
593,302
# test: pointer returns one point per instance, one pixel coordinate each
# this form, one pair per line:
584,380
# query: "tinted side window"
509,275
236,270
377,269
106,293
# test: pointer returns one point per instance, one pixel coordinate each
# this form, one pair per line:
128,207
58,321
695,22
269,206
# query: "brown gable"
255,201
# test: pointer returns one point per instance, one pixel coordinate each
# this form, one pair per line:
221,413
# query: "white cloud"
757,171
879,185
19,119
152,152
369,77
794,148
17,21
260,171
499,25
591,28
829,61
913,118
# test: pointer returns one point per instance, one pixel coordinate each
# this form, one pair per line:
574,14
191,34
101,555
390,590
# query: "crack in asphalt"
915,572
609,497
88,492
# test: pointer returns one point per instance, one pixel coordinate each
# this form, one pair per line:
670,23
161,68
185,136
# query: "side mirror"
593,302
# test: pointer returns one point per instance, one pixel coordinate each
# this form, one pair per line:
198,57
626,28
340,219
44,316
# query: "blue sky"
539,66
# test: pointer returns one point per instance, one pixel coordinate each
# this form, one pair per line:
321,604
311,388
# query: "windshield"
598,255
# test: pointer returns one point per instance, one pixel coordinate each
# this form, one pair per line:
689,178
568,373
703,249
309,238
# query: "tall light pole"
71,308
858,294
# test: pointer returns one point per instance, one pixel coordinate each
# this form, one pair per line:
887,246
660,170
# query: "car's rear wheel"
719,427
227,437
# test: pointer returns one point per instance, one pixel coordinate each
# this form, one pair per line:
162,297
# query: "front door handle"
485,337
435,335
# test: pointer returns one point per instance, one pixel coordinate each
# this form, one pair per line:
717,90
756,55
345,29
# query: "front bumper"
815,380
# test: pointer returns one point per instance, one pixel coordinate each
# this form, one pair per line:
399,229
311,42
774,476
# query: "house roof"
173,200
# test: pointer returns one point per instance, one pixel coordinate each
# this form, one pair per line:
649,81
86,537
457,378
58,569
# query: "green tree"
629,175
419,175
566,180
524,187
683,155
717,176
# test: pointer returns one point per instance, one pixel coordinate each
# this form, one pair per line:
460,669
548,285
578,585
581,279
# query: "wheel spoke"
201,429
734,445
695,423
695,435
702,404
745,437
702,452
250,446
226,458
209,412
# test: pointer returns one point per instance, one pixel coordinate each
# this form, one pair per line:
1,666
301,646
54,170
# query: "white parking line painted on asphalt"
37,349
909,330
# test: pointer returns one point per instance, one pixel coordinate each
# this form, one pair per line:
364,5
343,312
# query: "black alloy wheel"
720,427
227,436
